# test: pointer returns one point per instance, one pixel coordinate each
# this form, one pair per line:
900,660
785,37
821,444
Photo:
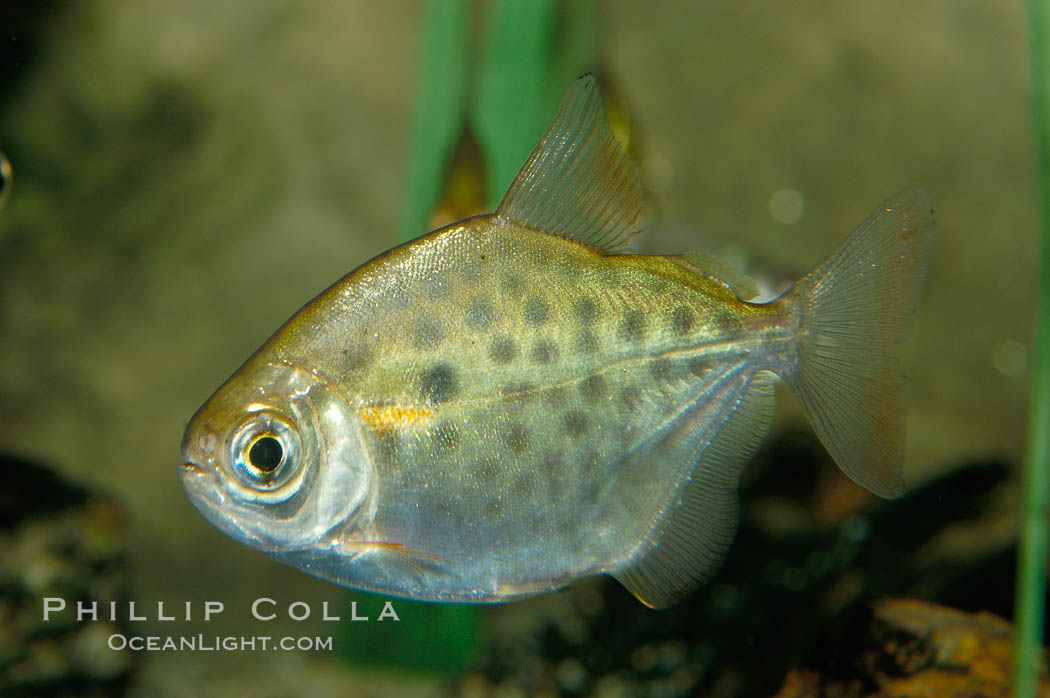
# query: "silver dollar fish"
515,401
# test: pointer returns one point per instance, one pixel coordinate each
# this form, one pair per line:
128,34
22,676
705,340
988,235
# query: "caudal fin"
853,305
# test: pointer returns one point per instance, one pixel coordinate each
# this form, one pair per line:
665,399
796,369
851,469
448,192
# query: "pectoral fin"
689,543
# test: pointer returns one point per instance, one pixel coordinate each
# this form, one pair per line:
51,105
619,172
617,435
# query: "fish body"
511,402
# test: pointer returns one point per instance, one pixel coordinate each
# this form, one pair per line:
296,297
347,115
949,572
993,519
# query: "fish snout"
197,450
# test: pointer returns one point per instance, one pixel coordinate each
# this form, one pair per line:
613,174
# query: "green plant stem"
512,105
439,110
1035,518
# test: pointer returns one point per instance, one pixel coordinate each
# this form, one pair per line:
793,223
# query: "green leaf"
440,106
1035,486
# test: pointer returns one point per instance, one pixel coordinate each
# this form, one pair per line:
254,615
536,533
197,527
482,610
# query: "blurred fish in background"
6,179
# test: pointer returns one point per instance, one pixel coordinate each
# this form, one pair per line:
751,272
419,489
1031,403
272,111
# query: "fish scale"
631,321
514,401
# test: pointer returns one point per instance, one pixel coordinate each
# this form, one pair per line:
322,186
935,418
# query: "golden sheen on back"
514,401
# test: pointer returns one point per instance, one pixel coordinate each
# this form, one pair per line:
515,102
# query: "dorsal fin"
716,270
577,183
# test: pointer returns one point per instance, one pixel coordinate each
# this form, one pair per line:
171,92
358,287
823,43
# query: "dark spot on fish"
523,486
592,463
555,397
544,352
660,369
589,493
492,507
593,387
536,312
586,342
632,326
516,437
551,470
585,309
630,399
428,334
439,384
512,285
480,314
356,356
445,437
550,465
625,436
575,424
486,469
503,350
727,325
699,366
681,320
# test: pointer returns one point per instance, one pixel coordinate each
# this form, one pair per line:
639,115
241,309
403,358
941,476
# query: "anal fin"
692,539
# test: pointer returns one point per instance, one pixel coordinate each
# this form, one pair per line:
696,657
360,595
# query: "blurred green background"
189,174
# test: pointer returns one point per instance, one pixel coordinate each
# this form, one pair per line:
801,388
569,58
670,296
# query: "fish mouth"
190,475
199,485
189,472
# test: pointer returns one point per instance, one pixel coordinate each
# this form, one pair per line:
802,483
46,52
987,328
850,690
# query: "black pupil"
266,454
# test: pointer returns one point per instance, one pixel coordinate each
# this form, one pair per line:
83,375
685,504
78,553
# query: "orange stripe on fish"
361,546
386,418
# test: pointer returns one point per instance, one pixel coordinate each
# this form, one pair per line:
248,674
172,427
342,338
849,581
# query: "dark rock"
59,540
902,647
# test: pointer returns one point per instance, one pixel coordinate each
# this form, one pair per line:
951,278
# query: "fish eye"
264,451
